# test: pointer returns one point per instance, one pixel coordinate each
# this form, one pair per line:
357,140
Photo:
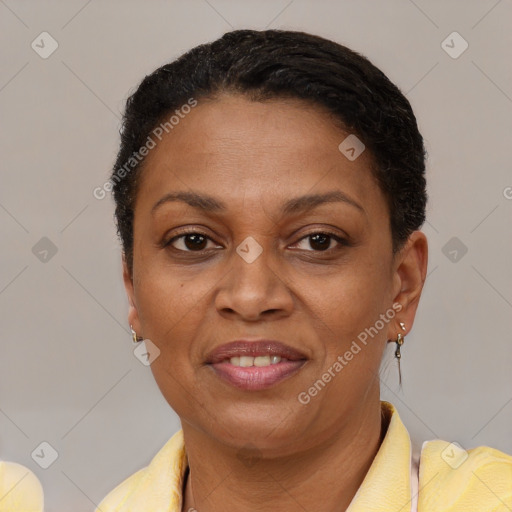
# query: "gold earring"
135,338
399,342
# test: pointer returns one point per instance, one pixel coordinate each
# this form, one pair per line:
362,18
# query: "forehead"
270,148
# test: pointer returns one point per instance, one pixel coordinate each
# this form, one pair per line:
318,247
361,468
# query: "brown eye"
321,241
189,242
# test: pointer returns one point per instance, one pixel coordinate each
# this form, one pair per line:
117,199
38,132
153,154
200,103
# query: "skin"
255,156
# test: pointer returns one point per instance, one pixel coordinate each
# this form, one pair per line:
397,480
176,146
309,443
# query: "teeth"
262,361
247,361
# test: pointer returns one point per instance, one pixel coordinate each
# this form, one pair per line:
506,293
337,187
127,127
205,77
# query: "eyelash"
342,241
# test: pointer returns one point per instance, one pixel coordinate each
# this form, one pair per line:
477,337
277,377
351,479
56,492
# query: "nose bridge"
253,284
252,271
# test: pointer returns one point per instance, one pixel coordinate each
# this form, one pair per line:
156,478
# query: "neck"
329,473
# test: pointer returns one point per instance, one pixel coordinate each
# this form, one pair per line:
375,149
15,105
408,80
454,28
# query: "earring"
399,342
135,338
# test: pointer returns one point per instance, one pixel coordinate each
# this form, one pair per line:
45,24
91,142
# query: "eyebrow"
209,204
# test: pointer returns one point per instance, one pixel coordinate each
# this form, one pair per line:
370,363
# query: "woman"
269,192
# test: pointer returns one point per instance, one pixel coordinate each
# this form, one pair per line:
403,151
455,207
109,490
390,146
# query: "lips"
240,348
255,365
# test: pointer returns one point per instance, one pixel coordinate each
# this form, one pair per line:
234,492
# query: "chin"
267,432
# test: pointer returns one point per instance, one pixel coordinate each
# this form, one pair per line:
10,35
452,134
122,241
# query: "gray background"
67,372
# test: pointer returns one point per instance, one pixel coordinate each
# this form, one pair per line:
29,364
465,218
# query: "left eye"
321,241
190,242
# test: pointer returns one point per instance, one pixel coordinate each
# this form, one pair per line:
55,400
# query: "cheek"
170,311
350,300
167,306
357,338
353,330
167,296
175,310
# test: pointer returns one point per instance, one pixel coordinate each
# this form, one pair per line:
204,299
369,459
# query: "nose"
256,289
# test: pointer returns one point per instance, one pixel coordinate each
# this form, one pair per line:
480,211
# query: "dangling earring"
399,342
135,338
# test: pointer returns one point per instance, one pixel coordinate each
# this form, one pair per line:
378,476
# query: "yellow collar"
387,485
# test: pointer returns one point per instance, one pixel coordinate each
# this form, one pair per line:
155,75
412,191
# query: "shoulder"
160,481
20,488
115,498
452,478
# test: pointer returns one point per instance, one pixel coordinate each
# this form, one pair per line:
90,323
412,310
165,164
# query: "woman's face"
252,269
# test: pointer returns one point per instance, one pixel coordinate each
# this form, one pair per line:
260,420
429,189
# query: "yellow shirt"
20,489
450,479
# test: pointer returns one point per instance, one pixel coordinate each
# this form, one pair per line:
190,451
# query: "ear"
133,315
410,272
